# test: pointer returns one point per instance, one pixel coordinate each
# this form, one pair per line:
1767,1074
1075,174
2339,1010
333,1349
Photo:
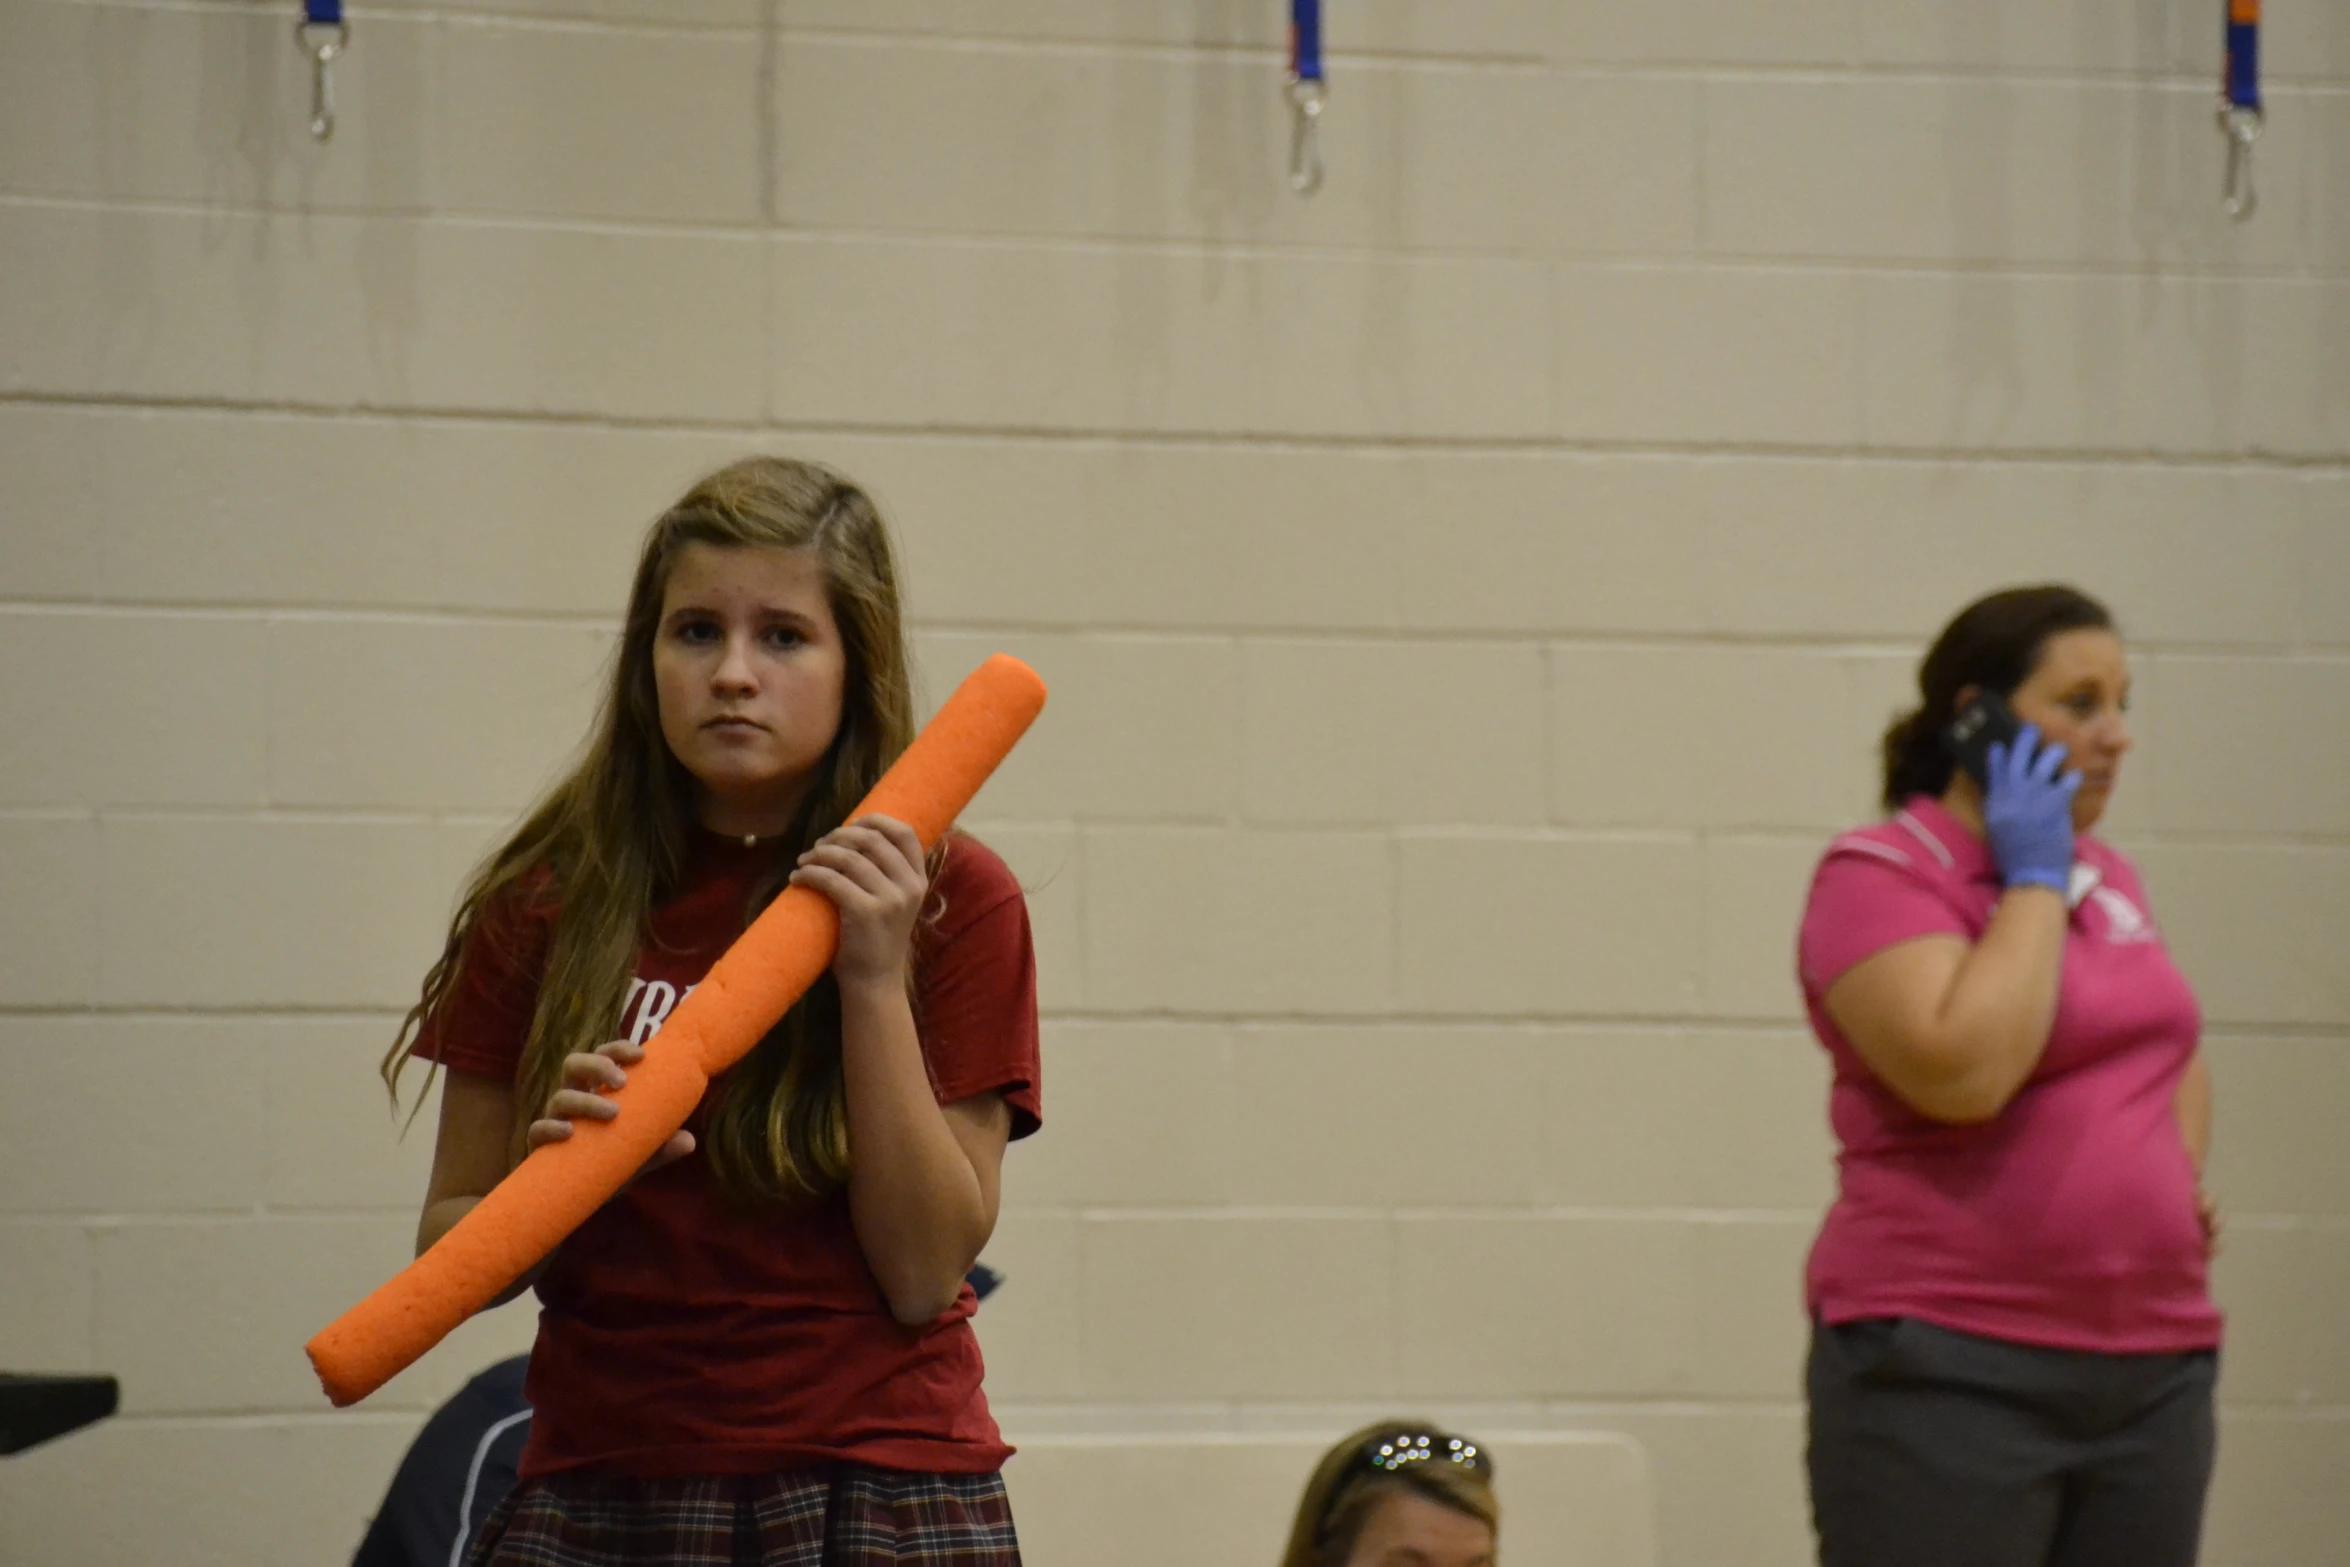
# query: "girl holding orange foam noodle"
760,1351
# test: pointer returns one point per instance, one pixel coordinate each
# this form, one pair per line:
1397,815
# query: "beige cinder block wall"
1470,596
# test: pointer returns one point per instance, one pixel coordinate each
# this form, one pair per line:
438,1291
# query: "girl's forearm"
441,1217
914,1197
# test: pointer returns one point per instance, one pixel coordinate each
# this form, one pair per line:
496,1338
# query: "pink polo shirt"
2068,1219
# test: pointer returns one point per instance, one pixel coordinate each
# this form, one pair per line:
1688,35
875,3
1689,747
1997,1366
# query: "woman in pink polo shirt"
2014,1346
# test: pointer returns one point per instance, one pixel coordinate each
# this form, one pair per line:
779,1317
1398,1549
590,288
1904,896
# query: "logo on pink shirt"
2125,922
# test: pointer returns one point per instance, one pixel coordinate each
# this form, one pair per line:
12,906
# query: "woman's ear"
1965,698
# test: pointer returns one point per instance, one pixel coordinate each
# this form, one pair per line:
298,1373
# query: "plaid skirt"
848,1516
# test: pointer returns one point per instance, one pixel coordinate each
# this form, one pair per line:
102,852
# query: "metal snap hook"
2242,127
1305,135
331,40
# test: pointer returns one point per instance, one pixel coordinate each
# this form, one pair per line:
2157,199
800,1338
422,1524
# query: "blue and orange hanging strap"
1305,93
323,34
2239,105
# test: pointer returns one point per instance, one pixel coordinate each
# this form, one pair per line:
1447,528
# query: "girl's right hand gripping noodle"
770,966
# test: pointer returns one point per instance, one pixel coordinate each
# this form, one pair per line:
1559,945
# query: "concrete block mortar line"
1396,920
745,230
1765,1031
1700,173
1782,1026
150,1013
428,15
253,1215
316,612
1398,253
1268,51
770,173
1149,1417
1074,866
424,614
1372,629
1193,440
1547,760
261,1418
2217,838
1394,1214
1221,250
331,815
1271,54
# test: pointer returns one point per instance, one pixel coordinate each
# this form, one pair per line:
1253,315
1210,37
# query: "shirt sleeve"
977,988
1866,897
481,1024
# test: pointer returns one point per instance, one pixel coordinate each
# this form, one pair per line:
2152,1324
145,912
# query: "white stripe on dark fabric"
481,1457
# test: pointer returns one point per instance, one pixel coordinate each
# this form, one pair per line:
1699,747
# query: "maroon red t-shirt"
684,1332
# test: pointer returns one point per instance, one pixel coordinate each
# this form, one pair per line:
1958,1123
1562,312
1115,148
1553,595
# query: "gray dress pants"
1930,1448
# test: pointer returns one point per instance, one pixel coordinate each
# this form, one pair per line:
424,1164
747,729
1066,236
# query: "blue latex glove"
2028,813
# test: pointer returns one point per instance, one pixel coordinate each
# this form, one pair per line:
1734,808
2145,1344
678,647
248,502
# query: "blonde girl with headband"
1400,1493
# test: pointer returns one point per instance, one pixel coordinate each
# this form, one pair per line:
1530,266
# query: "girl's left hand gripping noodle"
770,966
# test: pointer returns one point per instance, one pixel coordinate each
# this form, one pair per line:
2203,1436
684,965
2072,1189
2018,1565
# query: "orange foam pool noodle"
747,991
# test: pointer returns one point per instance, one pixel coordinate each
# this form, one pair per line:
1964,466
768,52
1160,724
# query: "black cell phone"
1983,723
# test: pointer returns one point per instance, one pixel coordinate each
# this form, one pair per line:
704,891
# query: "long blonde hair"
608,843
1344,1490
